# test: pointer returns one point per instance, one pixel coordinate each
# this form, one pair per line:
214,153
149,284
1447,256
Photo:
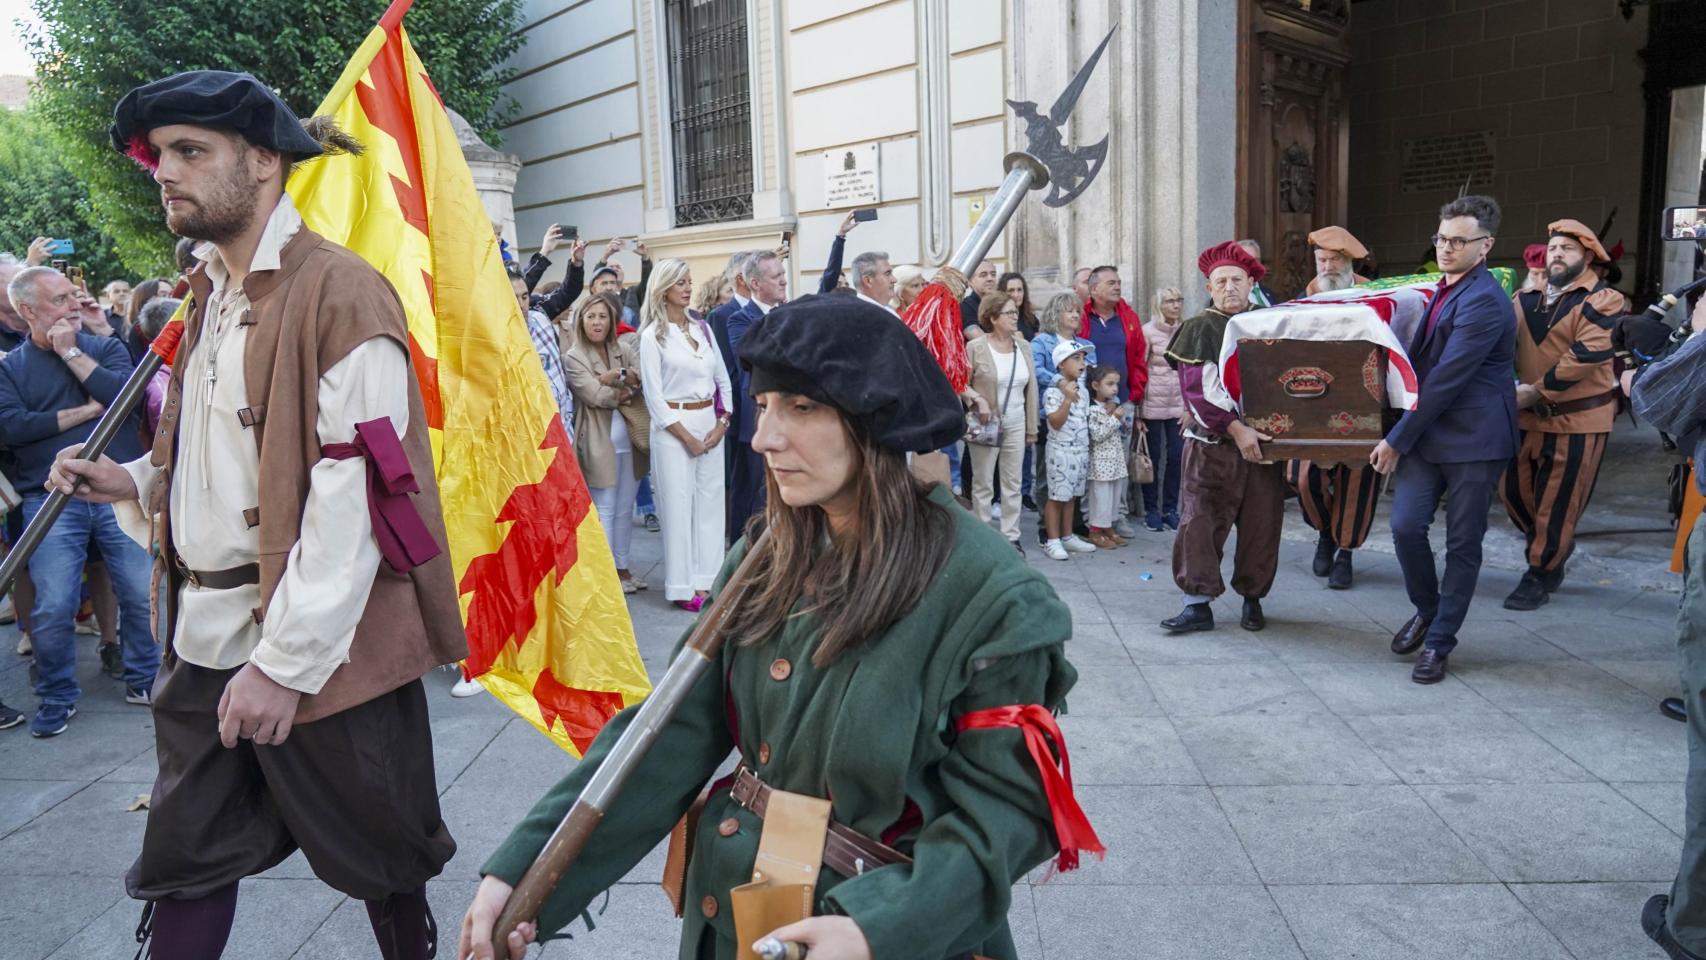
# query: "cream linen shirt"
314,611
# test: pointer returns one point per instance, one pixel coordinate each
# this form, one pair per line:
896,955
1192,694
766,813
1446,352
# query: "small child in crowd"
1107,458
1067,406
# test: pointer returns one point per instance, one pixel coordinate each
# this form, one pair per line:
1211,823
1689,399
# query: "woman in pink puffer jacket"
1163,404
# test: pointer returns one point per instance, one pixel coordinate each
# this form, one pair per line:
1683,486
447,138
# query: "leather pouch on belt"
680,854
784,877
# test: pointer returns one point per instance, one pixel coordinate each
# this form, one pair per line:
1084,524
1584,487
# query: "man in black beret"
289,713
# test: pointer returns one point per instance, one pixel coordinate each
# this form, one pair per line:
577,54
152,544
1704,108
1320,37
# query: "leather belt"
248,573
1547,408
845,850
687,404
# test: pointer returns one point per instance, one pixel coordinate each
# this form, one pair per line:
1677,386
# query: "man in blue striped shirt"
1671,395
544,337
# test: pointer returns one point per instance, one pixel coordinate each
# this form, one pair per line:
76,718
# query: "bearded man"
1567,398
289,712
1223,479
1337,499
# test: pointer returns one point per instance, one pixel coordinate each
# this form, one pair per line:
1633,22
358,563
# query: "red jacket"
1136,350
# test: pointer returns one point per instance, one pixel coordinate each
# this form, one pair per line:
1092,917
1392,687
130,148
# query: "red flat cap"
1230,254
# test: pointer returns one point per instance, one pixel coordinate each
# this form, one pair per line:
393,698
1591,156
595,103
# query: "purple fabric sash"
403,537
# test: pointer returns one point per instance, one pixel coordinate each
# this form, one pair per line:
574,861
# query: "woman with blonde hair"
688,396
604,376
909,281
712,294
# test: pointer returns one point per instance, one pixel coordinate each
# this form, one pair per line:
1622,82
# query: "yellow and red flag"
548,629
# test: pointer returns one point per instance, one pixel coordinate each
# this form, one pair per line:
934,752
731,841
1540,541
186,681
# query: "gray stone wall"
1557,81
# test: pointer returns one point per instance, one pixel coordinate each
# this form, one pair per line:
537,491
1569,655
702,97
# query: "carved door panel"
1294,130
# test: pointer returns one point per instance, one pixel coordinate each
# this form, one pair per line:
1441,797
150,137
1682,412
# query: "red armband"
403,537
1071,827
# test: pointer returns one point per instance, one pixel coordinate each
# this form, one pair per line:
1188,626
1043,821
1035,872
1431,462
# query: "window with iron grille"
710,110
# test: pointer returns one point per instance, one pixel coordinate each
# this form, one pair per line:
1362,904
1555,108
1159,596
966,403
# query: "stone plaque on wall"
852,177
1447,162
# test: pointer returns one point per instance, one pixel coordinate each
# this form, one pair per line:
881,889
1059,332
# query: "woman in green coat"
892,655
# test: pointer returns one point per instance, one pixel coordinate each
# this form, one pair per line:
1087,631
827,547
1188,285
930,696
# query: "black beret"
856,357
209,98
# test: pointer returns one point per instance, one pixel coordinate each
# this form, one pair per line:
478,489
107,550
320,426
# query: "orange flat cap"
1578,231
1340,239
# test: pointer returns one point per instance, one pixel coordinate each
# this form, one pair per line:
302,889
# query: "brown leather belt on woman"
225,579
845,850
687,404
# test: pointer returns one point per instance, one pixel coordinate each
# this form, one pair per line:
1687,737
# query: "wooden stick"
570,838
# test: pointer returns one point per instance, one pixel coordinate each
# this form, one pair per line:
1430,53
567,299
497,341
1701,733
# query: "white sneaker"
25,648
1073,543
1054,551
7,614
88,628
466,688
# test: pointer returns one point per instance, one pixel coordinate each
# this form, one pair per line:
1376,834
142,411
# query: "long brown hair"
861,583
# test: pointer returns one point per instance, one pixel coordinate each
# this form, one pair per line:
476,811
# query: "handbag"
987,433
1139,466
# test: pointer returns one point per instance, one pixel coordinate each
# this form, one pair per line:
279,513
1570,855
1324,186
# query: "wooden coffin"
1320,400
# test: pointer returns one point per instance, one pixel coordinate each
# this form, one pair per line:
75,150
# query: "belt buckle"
1546,409
188,574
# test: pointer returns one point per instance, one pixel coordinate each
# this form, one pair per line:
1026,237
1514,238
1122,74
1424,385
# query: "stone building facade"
702,126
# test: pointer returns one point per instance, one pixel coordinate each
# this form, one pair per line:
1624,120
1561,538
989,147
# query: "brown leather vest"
303,318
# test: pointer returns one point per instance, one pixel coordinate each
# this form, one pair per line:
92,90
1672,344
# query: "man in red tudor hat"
1224,482
1534,258
302,570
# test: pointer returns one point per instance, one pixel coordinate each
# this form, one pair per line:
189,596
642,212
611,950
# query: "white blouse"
685,368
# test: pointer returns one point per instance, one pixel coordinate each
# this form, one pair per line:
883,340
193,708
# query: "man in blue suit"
718,321
1460,436
767,279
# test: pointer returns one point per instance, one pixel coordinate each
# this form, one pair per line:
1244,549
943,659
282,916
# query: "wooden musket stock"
570,838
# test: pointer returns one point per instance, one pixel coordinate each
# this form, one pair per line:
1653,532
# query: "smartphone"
865,216
62,248
571,234
63,266
1684,223
74,273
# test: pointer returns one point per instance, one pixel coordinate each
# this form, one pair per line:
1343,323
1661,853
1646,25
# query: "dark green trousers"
1687,913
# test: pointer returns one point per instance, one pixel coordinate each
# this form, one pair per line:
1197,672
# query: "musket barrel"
116,416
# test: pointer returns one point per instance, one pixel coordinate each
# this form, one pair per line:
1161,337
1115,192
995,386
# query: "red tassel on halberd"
1071,827
935,318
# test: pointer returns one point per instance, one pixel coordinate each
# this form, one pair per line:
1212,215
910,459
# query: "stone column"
494,175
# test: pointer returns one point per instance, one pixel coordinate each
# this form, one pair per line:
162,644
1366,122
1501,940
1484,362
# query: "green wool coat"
872,731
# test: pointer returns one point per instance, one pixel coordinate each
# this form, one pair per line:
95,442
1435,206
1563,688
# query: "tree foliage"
91,52
40,198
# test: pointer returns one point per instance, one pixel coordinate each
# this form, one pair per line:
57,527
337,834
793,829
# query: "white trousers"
1010,457
616,509
689,494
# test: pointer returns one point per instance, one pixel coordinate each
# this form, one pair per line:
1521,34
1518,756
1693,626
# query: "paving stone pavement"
1287,794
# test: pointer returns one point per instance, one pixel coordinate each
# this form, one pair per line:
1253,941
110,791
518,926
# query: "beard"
1335,281
221,210
1562,275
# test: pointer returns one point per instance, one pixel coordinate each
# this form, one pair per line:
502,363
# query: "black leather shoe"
1430,667
1323,564
1028,503
1553,579
1340,578
1530,593
1653,922
1411,635
1195,616
1674,708
1252,618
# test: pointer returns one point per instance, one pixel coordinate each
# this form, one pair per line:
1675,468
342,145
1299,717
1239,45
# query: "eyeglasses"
1008,312
1458,243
